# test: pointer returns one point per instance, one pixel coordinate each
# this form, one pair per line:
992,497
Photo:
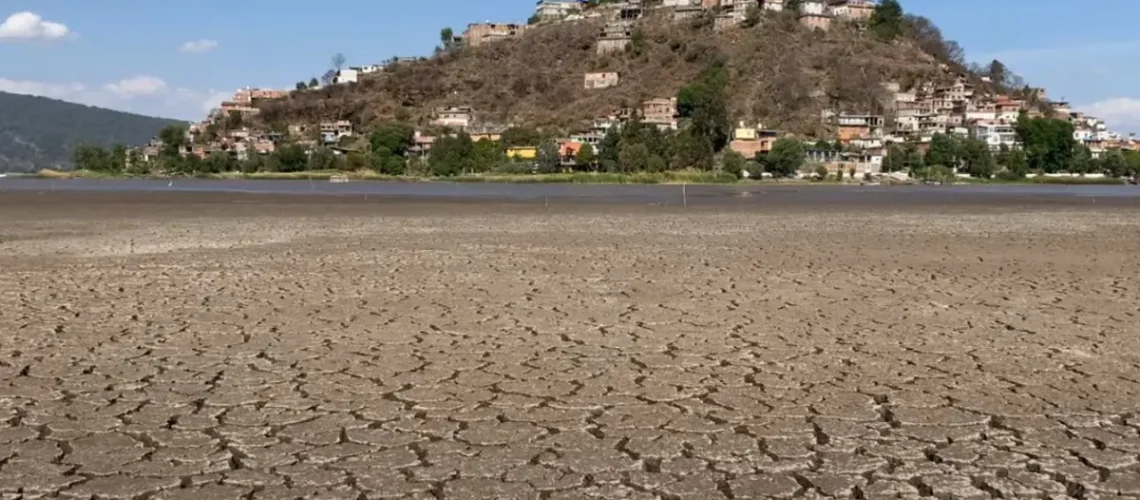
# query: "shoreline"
665,178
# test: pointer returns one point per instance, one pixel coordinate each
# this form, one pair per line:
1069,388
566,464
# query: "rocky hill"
780,73
37,132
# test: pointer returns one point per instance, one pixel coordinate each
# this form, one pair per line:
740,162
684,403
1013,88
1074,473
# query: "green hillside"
37,132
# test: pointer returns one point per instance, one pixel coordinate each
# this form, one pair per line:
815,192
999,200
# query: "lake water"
602,193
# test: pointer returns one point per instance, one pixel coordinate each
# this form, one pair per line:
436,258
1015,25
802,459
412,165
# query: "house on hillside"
815,15
661,113
454,117
601,80
481,33
552,10
852,10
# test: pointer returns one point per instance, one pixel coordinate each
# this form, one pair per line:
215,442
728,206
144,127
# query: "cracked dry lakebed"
228,346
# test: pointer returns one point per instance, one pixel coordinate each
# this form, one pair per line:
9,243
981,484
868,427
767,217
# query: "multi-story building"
815,14
995,134
481,33
550,10
660,112
854,10
454,116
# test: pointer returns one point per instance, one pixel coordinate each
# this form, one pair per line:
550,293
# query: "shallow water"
608,193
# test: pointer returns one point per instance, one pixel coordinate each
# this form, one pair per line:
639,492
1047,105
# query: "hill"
37,132
779,73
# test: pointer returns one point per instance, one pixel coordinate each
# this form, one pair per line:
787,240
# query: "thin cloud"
147,95
27,26
198,46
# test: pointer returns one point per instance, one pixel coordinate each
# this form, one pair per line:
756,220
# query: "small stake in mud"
684,193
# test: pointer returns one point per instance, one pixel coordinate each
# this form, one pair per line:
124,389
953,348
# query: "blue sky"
178,59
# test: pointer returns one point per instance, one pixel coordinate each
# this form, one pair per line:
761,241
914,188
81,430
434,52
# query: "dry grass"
781,74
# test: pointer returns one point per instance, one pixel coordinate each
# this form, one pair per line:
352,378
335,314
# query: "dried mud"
228,347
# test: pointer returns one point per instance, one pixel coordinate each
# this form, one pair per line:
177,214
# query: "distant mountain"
38,133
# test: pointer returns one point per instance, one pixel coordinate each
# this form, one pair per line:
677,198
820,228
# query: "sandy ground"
229,347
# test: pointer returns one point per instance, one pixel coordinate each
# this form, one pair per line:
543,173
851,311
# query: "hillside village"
968,105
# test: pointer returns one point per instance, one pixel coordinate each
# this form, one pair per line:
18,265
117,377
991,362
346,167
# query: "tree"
447,37
291,158
118,158
1048,143
785,158
586,159
821,172
91,157
549,159
751,16
977,159
301,86
690,150
887,21
1115,164
633,158
452,155
609,149
217,162
1014,163
705,103
997,72
943,151
338,61
395,137
321,159
734,163
313,83
520,136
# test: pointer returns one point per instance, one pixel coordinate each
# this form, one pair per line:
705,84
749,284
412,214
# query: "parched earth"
197,347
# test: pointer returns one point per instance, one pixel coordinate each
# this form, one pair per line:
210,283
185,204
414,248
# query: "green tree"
1115,164
633,158
452,155
488,155
301,86
977,159
291,158
1082,161
520,136
549,159
821,171
734,163
321,159
1014,163
705,103
313,83
609,149
887,22
1048,143
586,159
91,157
447,37
173,138
395,137
944,150
690,150
217,162
118,158
785,158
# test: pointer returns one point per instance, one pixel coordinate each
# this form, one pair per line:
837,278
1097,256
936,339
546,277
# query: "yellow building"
522,152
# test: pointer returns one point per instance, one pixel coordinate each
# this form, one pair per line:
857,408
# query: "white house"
348,75
549,10
995,134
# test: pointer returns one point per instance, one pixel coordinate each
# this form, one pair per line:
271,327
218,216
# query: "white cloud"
198,46
142,85
148,95
1121,113
30,26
